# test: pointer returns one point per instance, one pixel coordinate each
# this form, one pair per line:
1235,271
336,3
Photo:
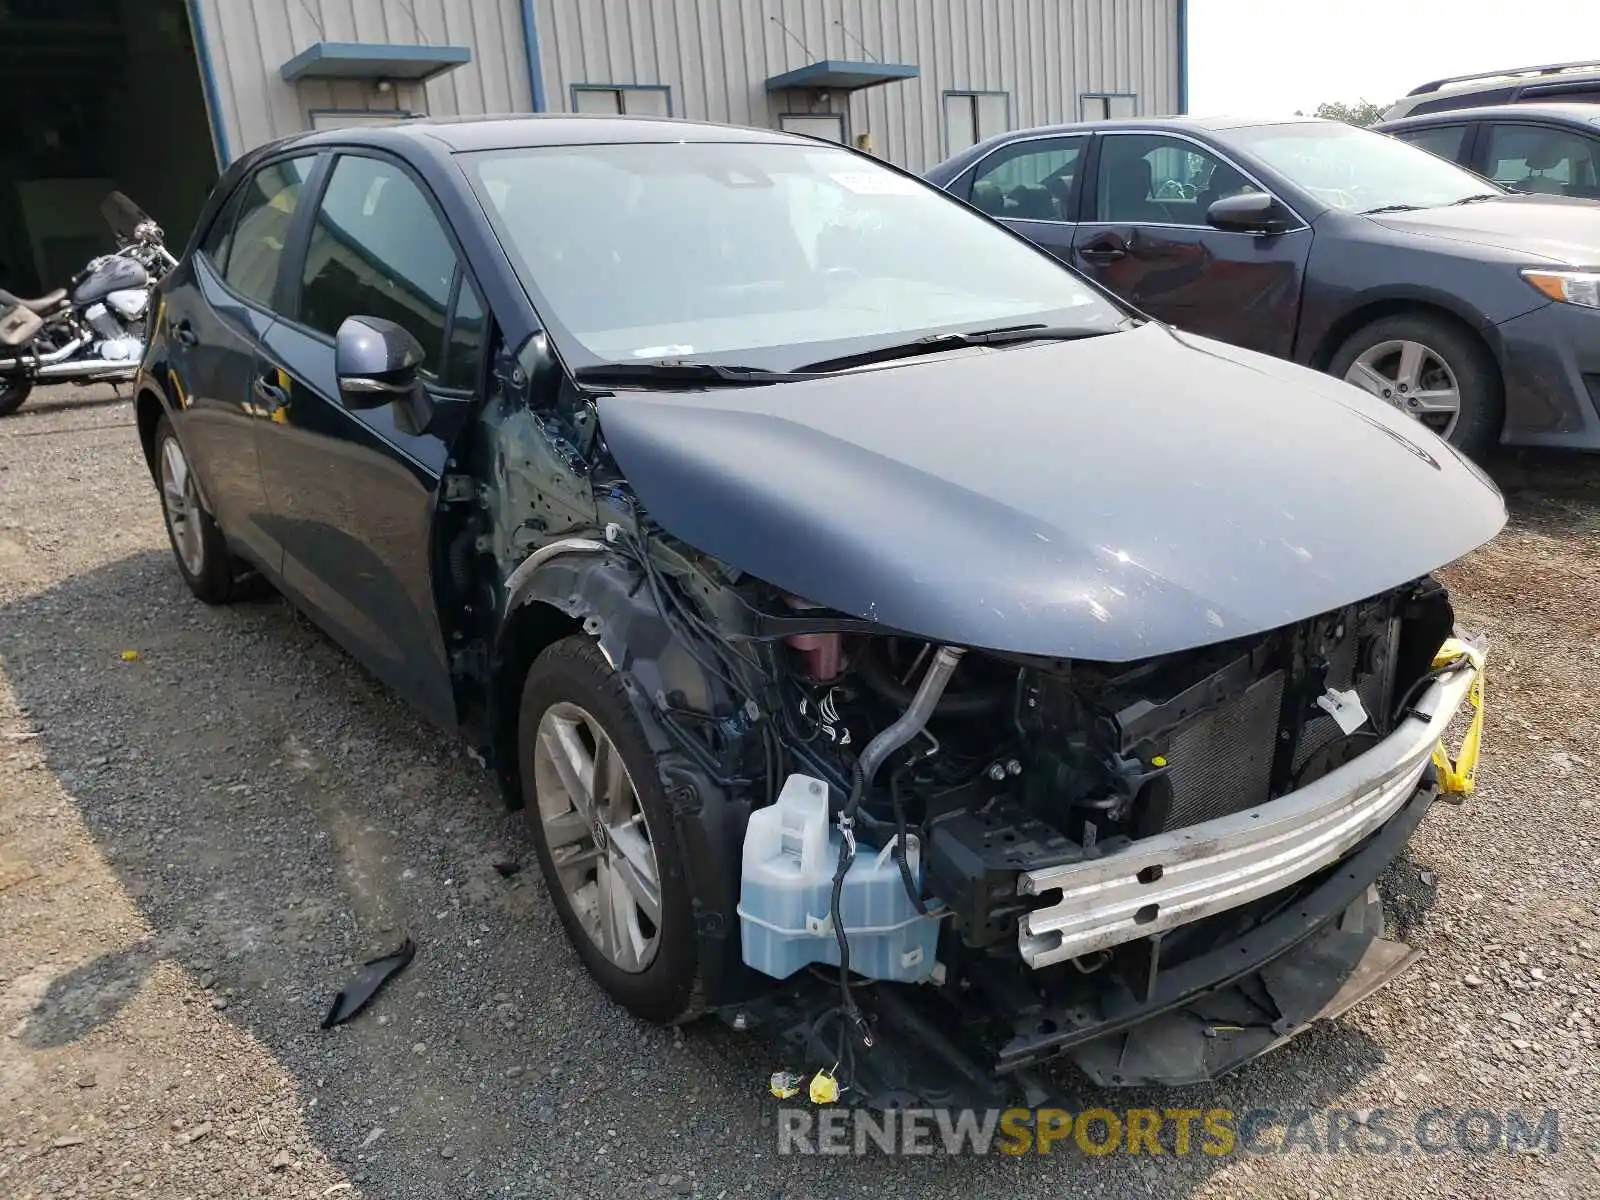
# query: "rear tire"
599,845
1451,359
13,392
198,546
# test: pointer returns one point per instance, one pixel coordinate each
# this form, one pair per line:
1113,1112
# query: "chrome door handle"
1102,252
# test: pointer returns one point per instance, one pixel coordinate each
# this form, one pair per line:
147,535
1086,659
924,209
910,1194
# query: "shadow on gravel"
86,997
277,818
59,398
1553,492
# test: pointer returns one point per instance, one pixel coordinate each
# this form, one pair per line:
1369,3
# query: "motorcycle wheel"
12,393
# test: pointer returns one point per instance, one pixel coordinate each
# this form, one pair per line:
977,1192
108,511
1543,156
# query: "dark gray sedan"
1474,309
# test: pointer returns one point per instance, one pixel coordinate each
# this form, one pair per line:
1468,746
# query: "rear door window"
1544,159
1030,181
1444,140
266,209
220,236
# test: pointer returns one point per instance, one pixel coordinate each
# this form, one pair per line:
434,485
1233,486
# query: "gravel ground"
198,844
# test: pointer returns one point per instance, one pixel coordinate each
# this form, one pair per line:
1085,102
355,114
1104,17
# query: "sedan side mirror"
376,362
1248,212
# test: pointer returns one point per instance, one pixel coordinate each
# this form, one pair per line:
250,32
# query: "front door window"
1544,160
1151,178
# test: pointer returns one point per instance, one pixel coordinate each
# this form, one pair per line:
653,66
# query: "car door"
1144,236
1032,185
1550,160
353,493
217,314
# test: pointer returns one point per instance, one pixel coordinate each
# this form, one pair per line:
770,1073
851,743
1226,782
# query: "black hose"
858,787
895,803
1403,708
875,673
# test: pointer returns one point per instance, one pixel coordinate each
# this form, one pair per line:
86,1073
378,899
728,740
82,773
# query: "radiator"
1221,762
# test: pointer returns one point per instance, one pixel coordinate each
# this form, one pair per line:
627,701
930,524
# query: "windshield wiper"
1387,208
1479,196
682,372
934,343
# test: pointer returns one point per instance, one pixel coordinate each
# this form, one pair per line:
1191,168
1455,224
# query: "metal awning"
373,60
839,75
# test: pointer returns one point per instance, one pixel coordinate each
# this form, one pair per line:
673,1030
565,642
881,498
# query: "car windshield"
1357,170
765,254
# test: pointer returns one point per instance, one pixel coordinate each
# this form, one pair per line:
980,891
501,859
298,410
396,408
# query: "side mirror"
376,362
1248,212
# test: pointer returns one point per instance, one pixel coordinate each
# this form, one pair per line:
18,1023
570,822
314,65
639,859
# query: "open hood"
1108,499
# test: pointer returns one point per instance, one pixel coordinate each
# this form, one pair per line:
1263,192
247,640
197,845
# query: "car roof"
1174,124
1574,113
1184,124
516,130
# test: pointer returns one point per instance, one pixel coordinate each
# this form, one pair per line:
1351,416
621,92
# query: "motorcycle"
93,330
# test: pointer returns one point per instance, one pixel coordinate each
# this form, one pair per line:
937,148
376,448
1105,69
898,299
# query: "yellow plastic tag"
824,1087
1458,773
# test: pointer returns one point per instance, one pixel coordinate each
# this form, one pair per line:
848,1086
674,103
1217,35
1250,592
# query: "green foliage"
1362,112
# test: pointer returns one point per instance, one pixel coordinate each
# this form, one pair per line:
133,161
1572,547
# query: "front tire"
604,833
13,392
198,546
1431,370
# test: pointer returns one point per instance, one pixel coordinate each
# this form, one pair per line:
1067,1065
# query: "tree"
1362,112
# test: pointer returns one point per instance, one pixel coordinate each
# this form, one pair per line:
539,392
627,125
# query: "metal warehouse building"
152,95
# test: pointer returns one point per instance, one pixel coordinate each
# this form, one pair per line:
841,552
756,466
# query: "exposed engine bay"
949,776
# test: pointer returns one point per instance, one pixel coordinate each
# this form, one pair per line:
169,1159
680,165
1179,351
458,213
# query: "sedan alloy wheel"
1414,378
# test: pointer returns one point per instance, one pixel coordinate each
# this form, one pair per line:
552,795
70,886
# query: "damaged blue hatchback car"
899,644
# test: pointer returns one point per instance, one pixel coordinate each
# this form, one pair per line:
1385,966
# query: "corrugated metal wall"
249,40
716,55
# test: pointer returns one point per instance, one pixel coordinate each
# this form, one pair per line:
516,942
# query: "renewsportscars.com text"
1171,1131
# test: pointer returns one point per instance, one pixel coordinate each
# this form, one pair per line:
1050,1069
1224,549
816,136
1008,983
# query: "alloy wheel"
180,501
597,835
1414,378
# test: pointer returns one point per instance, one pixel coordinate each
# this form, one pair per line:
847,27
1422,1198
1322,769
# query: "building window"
1107,106
633,100
969,117
818,125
